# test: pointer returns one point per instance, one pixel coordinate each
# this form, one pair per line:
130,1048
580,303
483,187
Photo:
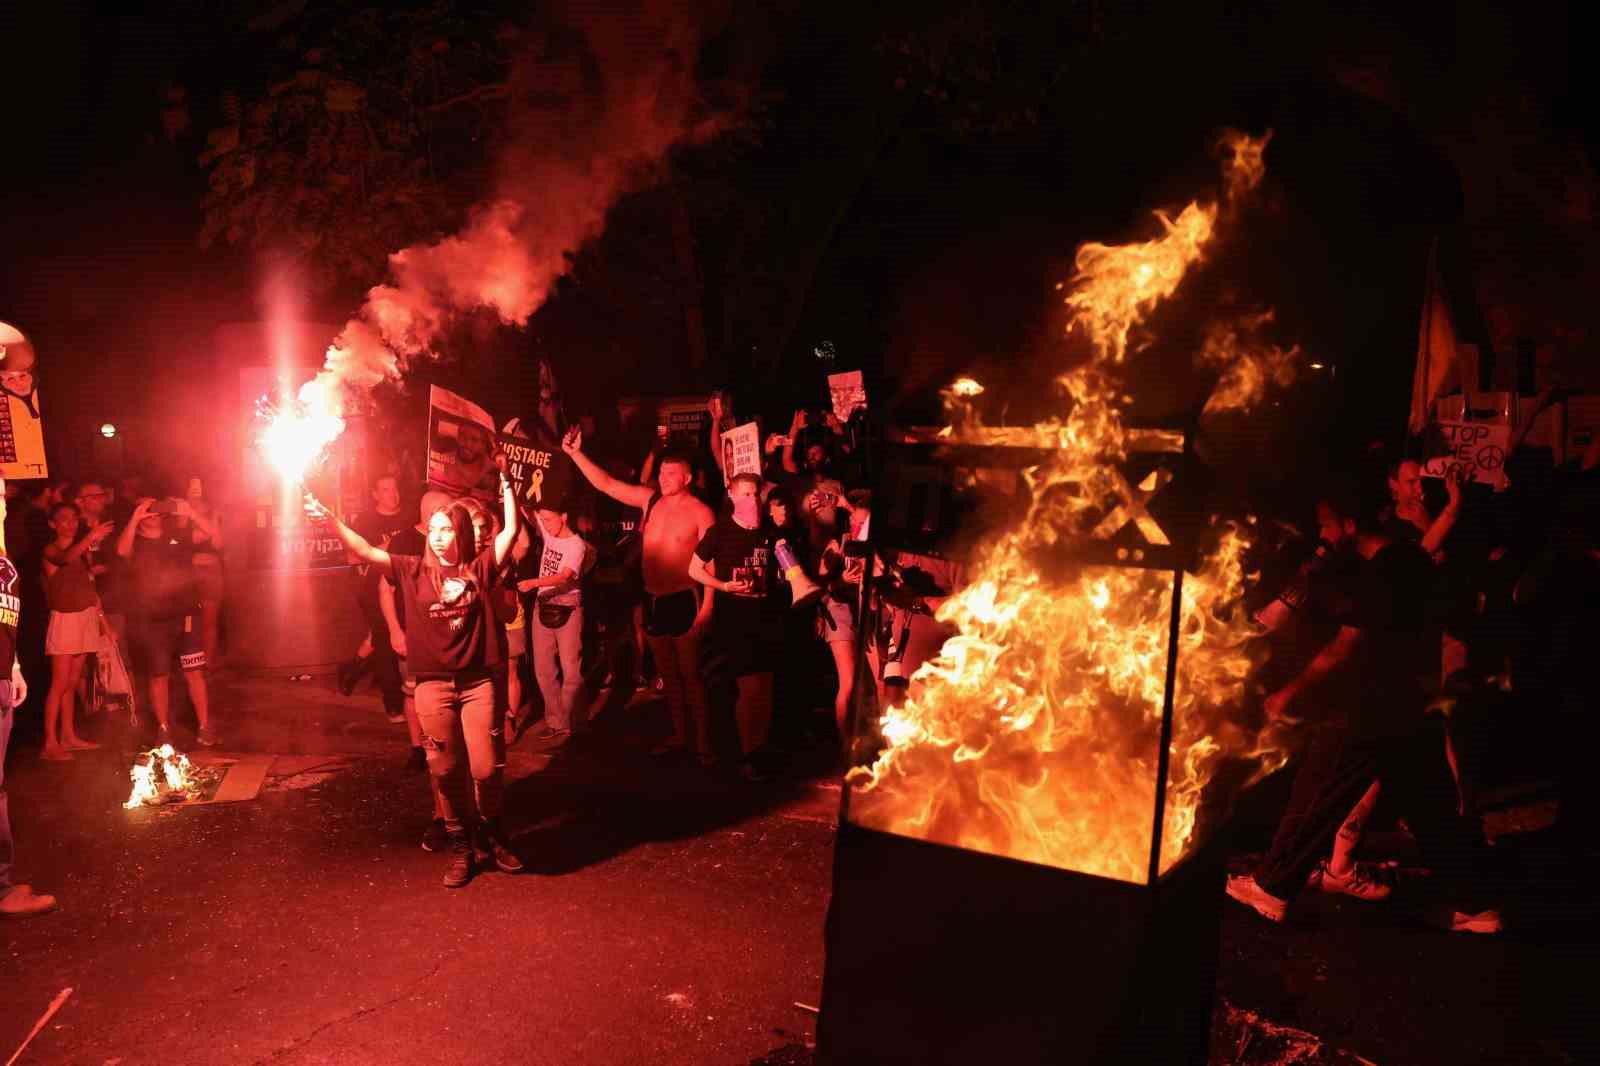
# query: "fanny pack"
555,615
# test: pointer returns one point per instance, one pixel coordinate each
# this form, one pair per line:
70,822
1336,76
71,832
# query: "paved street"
665,918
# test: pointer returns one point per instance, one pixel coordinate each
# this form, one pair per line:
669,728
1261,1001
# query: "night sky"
924,238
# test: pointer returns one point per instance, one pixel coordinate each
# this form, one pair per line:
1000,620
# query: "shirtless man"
675,616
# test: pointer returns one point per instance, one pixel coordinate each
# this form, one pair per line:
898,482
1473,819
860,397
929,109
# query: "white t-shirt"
562,553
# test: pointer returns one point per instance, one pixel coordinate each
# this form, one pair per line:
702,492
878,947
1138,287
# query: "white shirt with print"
562,553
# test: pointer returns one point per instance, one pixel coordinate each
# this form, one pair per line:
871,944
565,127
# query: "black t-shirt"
456,631
378,530
10,611
733,552
1391,604
161,577
408,541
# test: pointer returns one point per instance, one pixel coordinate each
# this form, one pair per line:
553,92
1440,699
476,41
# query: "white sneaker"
1454,921
1358,883
1244,889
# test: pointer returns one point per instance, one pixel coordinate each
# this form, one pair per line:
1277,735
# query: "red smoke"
595,106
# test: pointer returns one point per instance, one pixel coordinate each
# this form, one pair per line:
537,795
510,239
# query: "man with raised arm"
675,615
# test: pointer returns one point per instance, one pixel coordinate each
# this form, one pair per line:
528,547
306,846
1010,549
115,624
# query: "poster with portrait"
461,445
741,451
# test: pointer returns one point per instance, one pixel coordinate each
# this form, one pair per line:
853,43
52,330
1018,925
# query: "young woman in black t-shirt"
455,648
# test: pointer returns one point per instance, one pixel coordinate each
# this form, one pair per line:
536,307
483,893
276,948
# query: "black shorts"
670,615
157,642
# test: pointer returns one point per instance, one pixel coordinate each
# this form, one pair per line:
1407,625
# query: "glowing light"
966,387
1034,733
107,430
295,437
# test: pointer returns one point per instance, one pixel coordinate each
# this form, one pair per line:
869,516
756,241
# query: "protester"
1374,728
455,650
672,524
413,541
510,609
74,632
208,569
734,560
811,481
377,526
164,608
842,573
558,622
16,900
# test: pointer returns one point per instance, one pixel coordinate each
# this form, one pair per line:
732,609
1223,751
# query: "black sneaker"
434,838
489,844
459,871
348,673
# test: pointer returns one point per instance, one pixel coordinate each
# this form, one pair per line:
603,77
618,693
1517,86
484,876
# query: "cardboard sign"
684,424
461,443
1478,448
848,391
540,477
21,437
741,451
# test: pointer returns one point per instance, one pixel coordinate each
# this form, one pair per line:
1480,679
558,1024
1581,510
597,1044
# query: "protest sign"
848,391
684,424
741,451
540,477
1476,448
461,440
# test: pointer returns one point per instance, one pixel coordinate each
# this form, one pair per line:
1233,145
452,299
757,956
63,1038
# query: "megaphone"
802,589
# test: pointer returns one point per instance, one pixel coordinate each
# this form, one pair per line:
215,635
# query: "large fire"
1035,732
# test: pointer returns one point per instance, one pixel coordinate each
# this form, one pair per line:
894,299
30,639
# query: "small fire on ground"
162,775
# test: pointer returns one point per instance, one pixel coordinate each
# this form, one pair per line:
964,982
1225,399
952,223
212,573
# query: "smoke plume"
595,106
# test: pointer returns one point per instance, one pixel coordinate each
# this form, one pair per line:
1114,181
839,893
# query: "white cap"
10,334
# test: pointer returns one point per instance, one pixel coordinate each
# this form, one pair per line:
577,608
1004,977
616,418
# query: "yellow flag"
1437,353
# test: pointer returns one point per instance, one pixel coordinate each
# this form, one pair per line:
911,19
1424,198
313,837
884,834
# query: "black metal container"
942,954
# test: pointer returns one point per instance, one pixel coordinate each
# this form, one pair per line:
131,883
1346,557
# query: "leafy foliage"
374,134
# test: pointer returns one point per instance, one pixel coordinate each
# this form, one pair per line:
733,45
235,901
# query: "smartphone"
165,507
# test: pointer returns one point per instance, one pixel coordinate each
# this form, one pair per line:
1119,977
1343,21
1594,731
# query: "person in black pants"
1382,733
377,527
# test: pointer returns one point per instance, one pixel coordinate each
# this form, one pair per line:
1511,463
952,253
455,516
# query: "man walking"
558,622
672,525
1382,733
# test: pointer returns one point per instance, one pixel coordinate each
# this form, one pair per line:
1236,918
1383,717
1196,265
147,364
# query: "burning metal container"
1026,869
1020,874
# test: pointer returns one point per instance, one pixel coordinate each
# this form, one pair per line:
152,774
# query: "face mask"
747,510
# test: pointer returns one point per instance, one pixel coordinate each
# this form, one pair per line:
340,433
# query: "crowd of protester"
660,571
1415,631
1422,642
102,574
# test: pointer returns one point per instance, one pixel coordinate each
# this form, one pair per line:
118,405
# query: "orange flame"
1035,731
158,774
296,437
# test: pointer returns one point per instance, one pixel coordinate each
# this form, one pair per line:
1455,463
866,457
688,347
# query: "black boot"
459,870
349,673
491,844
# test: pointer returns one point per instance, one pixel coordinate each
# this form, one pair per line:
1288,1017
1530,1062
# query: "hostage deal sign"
1476,448
540,477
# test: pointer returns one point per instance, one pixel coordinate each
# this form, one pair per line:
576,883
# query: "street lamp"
108,430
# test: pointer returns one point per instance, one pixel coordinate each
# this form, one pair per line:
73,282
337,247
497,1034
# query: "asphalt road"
666,917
